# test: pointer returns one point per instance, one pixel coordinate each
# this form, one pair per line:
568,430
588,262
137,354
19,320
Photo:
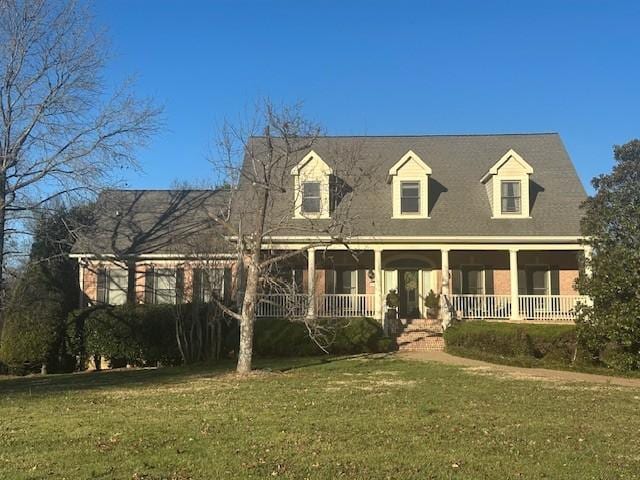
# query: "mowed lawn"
377,417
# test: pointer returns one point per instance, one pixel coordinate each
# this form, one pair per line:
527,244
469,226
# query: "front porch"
529,283
547,308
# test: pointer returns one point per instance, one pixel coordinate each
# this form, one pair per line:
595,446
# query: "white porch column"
513,277
311,282
377,261
444,291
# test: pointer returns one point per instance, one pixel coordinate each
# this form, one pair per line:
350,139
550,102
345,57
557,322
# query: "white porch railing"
329,305
481,306
345,305
531,307
550,307
283,305
496,307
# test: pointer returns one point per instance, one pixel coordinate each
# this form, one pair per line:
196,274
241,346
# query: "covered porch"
493,282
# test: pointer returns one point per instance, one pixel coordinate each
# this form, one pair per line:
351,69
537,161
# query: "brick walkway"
519,372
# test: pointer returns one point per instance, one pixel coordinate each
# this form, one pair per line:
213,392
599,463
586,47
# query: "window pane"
472,281
311,205
510,201
118,282
539,282
165,285
311,197
166,280
165,296
409,197
410,189
410,205
311,189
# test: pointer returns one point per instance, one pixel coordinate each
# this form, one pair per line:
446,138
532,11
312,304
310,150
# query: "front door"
408,293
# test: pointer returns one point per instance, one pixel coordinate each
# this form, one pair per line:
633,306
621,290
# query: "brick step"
422,346
411,328
417,334
424,322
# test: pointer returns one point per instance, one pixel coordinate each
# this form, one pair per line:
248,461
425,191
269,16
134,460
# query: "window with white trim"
164,285
311,197
409,197
112,286
473,280
510,195
208,284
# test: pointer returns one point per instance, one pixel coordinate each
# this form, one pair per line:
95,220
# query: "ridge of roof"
432,135
212,190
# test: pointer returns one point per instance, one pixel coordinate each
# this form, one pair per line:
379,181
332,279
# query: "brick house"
488,222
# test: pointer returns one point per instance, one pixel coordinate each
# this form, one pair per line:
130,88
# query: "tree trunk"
3,221
245,353
131,282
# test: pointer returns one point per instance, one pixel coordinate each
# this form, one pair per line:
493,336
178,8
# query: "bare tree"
62,132
257,159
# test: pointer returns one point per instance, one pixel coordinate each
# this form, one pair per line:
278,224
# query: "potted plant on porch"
392,301
391,315
432,302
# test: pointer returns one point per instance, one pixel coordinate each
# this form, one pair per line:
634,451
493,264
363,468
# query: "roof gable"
312,159
511,158
410,157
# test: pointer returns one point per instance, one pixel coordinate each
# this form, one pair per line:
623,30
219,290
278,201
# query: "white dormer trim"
518,170
405,158
312,168
410,168
526,168
306,159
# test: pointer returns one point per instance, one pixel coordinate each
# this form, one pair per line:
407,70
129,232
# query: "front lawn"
367,417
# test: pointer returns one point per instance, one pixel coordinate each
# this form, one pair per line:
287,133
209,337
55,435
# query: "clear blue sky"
374,67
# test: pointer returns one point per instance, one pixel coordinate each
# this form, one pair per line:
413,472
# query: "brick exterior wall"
501,279
501,282
567,280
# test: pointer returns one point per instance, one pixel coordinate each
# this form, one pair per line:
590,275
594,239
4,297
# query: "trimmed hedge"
146,334
513,342
126,334
274,337
133,334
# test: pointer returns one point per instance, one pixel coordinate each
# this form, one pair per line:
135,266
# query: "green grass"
373,417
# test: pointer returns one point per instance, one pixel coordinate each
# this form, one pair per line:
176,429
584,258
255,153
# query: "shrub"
282,337
144,334
33,330
554,343
134,334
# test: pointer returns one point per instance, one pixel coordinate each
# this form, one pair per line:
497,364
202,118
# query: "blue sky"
374,67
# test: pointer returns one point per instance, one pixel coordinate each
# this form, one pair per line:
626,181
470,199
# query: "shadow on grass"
51,384
317,361
39,385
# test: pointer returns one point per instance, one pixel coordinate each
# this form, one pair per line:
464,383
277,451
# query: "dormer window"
311,198
507,186
409,178
409,197
312,179
510,196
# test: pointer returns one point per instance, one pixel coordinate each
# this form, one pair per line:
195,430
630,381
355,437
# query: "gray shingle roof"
459,205
134,222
